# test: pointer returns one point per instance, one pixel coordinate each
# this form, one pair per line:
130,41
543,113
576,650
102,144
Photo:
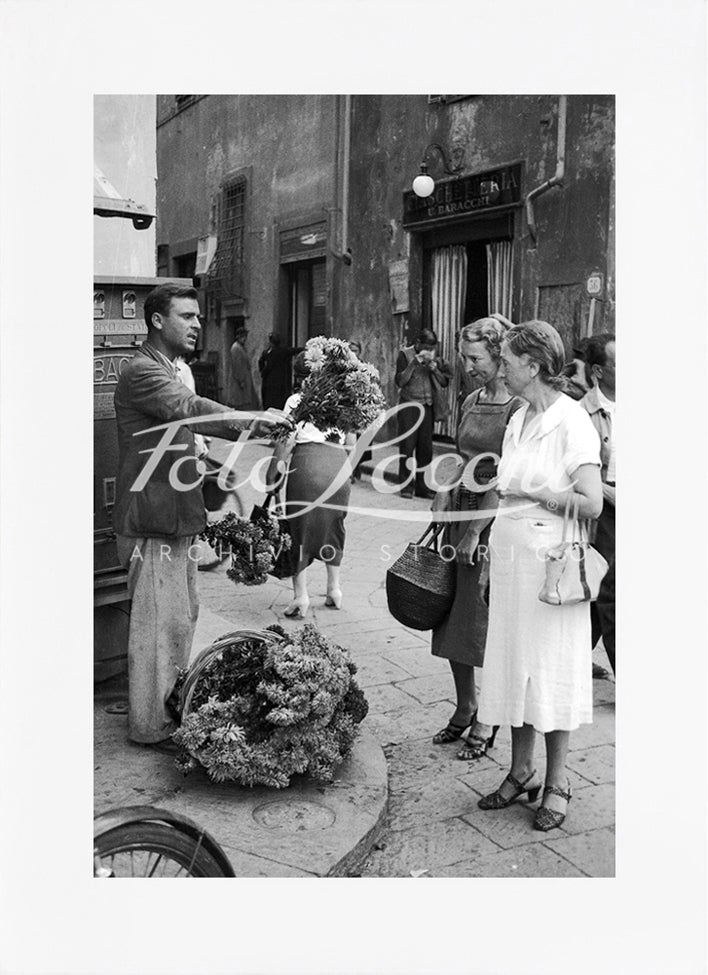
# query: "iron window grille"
226,275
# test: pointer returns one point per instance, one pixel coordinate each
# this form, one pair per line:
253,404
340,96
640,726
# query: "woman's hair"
300,370
487,330
543,345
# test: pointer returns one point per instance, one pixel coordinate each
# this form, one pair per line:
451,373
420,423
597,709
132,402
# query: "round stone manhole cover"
293,815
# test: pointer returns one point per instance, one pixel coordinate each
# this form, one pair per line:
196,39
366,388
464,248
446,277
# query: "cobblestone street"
435,828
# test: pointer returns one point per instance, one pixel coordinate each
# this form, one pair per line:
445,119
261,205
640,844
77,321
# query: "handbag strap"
434,529
570,520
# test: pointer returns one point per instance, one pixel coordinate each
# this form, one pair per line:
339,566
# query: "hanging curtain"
449,291
500,267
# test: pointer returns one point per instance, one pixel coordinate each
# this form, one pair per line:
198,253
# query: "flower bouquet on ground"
254,546
341,394
261,706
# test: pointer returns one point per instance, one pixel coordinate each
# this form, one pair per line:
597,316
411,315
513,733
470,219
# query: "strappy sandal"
546,818
476,746
495,800
452,732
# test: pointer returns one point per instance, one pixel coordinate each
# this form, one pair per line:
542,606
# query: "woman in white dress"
538,665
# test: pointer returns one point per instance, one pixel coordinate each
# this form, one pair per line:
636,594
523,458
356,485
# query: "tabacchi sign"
454,198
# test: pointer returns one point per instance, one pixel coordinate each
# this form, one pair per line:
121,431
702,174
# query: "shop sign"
103,406
595,284
107,368
465,196
117,326
304,242
398,283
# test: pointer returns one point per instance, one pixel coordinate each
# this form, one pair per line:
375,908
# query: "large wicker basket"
202,661
420,585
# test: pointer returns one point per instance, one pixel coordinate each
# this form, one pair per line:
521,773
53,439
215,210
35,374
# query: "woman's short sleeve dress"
538,664
462,634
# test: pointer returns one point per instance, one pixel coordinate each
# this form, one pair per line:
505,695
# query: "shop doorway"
465,281
307,300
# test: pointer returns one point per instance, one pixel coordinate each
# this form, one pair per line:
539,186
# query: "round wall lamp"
424,184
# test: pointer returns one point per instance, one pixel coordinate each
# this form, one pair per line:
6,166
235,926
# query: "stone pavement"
434,828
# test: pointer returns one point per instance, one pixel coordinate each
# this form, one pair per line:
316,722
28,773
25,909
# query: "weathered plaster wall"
574,224
289,143
286,144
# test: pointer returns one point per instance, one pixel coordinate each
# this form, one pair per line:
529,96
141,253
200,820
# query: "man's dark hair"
160,298
426,336
596,349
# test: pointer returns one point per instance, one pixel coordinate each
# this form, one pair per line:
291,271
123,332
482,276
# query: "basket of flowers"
340,394
259,706
254,545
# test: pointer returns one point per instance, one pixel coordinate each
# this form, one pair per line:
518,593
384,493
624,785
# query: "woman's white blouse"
552,447
308,432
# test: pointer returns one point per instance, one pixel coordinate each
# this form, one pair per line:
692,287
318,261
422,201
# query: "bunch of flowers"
341,394
264,706
254,546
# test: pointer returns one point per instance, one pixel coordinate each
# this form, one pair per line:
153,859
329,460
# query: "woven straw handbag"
574,569
420,585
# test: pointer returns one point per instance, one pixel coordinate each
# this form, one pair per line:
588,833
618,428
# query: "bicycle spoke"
155,865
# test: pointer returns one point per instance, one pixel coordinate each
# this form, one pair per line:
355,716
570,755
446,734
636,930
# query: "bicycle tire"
150,850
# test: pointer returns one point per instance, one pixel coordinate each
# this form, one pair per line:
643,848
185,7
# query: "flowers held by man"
254,545
341,394
262,706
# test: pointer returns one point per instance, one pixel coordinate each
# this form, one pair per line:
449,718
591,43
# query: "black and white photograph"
393,313
314,580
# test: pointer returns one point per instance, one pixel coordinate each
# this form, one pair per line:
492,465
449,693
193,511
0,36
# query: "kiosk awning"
107,202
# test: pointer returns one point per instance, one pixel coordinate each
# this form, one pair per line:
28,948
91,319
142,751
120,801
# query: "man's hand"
261,427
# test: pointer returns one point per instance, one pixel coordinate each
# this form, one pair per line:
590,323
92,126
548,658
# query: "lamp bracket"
452,163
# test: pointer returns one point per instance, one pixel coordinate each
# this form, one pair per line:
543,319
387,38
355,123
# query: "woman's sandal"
476,746
495,800
546,818
452,732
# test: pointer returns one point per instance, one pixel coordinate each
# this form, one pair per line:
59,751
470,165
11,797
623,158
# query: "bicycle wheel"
155,850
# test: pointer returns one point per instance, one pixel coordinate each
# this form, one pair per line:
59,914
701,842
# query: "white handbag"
574,569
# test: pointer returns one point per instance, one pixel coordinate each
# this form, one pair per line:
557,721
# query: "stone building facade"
294,214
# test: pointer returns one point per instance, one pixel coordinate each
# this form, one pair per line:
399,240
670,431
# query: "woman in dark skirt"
315,502
461,637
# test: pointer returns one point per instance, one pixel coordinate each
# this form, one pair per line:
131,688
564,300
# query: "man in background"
275,367
242,389
599,352
422,377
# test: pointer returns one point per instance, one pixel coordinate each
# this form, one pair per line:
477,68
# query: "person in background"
576,373
422,377
275,367
537,674
461,636
600,405
242,390
314,462
355,346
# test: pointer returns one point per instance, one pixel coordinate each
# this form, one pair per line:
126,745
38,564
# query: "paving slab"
593,852
597,764
527,861
428,848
